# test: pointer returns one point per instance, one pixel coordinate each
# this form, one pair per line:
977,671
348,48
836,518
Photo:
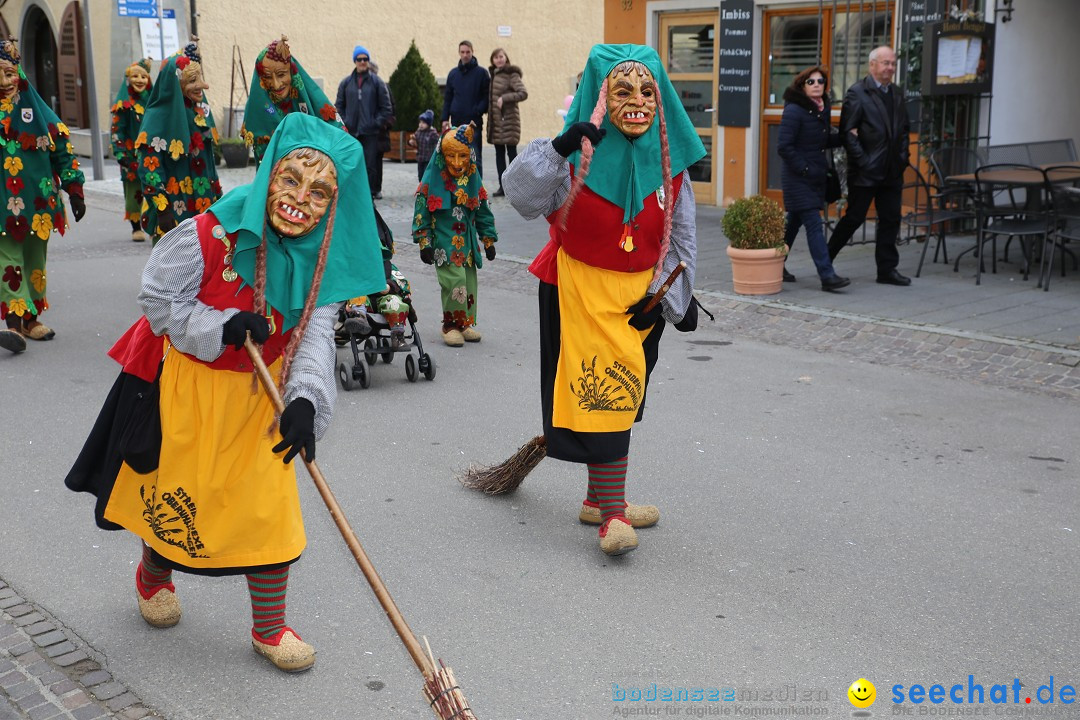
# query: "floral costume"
262,114
453,217
37,162
127,115
175,150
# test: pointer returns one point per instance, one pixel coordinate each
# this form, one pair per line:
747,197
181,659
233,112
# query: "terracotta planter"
756,272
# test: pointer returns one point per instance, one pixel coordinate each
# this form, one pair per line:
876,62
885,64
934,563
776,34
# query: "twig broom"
440,688
508,475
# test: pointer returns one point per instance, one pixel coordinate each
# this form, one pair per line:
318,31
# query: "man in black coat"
875,126
363,102
467,98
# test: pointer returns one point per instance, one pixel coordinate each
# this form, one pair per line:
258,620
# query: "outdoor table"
1019,177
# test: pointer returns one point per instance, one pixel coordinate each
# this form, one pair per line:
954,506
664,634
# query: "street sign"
141,9
153,35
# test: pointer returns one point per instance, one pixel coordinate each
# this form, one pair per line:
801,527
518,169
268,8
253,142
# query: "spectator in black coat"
874,125
363,102
805,136
467,98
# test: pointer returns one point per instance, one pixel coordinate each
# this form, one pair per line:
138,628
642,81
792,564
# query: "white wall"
1036,86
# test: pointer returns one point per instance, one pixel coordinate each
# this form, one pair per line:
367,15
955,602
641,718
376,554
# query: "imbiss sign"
736,62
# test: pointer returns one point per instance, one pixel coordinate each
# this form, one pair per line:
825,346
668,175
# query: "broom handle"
666,286
372,576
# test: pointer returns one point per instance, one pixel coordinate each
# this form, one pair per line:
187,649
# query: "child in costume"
127,114
452,223
38,162
615,189
279,86
424,140
275,259
394,303
175,146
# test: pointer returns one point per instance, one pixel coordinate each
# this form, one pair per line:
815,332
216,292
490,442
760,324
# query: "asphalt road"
823,520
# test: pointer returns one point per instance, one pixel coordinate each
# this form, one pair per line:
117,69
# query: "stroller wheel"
370,346
427,366
346,377
387,357
410,369
360,372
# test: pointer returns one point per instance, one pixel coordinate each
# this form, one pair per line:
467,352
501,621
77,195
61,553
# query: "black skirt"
570,445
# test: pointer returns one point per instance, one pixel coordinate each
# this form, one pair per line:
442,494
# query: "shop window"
690,48
794,44
857,33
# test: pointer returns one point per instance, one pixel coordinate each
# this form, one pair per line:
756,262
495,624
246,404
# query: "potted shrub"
754,227
414,89
235,151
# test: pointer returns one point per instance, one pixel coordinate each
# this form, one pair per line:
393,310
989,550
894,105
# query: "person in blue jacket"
363,102
466,98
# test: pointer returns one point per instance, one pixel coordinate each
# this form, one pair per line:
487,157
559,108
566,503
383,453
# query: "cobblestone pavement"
47,672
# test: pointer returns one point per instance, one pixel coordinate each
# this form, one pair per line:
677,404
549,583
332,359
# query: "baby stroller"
371,334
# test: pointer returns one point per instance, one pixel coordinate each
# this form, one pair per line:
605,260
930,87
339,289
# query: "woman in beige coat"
504,118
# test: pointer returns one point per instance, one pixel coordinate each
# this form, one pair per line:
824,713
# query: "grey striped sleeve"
312,374
683,247
170,284
538,180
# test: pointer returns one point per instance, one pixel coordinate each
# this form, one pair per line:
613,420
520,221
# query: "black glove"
641,320
234,331
78,207
570,141
427,254
689,320
166,221
297,430
490,252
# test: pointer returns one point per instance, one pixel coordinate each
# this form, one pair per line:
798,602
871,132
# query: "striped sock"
267,590
607,481
149,578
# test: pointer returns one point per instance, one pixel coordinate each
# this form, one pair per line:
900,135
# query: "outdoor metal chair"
955,160
933,209
1052,151
1064,188
1010,208
1016,153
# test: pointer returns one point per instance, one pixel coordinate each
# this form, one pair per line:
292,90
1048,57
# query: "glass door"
689,47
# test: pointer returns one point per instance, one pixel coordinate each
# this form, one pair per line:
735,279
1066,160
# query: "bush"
754,223
414,89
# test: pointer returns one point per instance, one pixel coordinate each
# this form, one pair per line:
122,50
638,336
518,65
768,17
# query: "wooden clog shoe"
12,340
162,609
640,516
617,537
285,650
471,334
453,337
36,330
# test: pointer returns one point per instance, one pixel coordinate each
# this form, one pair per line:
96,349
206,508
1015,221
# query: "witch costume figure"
279,86
38,162
455,230
615,189
127,115
273,259
175,146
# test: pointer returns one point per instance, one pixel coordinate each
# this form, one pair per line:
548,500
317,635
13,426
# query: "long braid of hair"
599,110
669,187
258,303
313,296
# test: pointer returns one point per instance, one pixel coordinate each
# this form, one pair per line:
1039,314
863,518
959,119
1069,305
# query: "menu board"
958,58
736,63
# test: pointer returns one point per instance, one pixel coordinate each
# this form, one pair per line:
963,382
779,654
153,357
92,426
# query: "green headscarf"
438,183
262,114
35,116
354,262
168,119
625,171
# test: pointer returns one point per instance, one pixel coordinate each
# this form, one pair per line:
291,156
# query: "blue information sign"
137,8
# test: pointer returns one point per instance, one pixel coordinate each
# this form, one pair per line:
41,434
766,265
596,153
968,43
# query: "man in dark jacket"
363,102
875,126
467,98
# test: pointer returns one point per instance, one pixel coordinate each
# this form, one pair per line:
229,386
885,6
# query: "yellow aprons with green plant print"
600,379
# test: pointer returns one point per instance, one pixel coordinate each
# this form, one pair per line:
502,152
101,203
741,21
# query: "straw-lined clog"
285,650
617,537
640,516
162,609
471,334
453,337
38,331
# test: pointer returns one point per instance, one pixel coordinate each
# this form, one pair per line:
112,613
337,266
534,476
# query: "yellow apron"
600,379
220,497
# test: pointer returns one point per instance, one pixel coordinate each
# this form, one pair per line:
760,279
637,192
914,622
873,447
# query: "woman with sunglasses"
805,136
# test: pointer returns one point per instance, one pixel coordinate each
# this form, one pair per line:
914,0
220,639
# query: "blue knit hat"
360,50
428,116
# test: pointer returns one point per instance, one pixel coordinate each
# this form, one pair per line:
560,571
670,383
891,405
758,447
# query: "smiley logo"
862,693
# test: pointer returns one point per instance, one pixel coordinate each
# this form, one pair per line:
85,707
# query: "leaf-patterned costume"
175,150
37,161
127,115
262,114
452,216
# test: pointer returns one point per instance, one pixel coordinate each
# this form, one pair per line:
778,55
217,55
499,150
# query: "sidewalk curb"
48,672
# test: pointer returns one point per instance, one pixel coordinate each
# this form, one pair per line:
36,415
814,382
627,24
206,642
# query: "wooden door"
73,101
